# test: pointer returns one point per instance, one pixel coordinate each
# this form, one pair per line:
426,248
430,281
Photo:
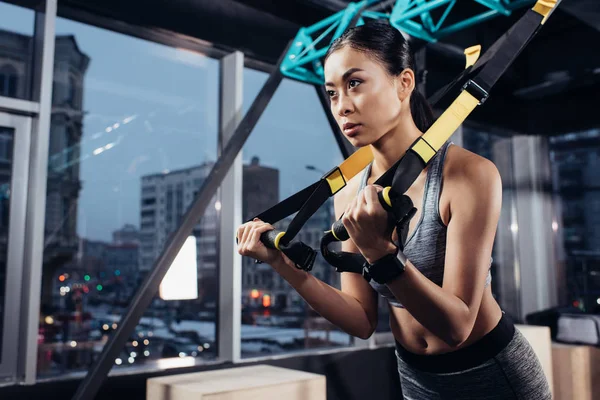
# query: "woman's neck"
393,145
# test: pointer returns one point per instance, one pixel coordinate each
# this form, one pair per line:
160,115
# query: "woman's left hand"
368,224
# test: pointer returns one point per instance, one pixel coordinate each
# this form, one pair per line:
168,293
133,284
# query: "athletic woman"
453,341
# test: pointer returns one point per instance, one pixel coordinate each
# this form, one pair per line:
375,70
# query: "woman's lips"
351,129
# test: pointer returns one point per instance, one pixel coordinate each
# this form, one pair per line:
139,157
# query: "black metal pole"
97,374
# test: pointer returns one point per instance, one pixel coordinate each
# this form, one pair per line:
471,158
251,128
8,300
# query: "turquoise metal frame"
304,60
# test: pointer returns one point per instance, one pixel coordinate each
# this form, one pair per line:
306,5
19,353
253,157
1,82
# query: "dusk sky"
166,104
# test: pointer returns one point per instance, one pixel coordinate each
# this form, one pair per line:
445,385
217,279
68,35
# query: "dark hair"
387,45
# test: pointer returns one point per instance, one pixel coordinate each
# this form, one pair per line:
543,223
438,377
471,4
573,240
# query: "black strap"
490,67
288,206
506,50
321,193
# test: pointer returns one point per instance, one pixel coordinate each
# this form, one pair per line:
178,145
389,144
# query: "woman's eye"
331,93
353,83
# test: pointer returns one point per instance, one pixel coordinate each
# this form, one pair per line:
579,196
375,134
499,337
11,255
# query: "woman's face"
364,97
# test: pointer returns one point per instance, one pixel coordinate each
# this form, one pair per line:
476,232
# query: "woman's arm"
341,308
353,309
450,311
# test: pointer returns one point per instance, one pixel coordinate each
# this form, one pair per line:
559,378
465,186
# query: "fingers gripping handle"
271,239
301,254
338,230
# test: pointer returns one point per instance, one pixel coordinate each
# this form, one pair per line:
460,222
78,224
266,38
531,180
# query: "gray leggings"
513,373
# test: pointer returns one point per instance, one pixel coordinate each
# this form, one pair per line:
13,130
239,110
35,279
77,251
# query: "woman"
452,338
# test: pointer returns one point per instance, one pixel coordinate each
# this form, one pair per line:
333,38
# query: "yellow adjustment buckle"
336,180
544,7
472,55
278,239
424,150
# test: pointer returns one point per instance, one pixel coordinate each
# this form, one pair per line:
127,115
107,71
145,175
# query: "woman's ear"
405,83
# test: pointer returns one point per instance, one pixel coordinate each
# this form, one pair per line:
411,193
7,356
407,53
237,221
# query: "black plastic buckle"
476,91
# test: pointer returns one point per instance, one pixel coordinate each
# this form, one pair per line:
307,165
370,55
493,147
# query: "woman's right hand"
249,244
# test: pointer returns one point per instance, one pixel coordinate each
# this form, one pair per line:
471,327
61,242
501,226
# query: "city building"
165,198
128,234
66,129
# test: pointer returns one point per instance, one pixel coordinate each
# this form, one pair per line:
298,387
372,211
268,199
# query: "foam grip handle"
271,238
339,231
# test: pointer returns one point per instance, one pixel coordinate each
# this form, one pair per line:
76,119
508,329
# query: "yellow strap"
356,162
435,137
544,7
472,55
450,120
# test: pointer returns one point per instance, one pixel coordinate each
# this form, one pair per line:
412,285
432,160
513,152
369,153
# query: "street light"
313,168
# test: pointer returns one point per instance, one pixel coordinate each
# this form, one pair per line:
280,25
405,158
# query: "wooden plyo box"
576,372
260,382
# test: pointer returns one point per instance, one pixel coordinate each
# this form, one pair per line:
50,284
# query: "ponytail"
421,111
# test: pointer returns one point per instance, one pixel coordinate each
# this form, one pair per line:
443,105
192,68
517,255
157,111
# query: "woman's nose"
344,107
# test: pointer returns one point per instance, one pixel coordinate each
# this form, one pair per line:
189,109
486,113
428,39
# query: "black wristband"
387,268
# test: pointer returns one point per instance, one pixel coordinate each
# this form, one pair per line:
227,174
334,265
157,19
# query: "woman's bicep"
475,210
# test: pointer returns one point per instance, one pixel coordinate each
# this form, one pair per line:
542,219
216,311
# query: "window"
133,118
8,81
6,147
73,91
16,44
292,133
575,164
7,135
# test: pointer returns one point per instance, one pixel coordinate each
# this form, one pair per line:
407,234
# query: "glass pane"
16,51
498,149
6,157
575,160
285,153
133,136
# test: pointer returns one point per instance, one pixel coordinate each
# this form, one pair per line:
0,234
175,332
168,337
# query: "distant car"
183,347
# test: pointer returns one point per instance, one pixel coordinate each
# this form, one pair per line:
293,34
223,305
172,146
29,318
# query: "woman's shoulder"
468,171
461,163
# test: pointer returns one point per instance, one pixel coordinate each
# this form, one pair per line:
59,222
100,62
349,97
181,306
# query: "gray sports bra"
425,247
